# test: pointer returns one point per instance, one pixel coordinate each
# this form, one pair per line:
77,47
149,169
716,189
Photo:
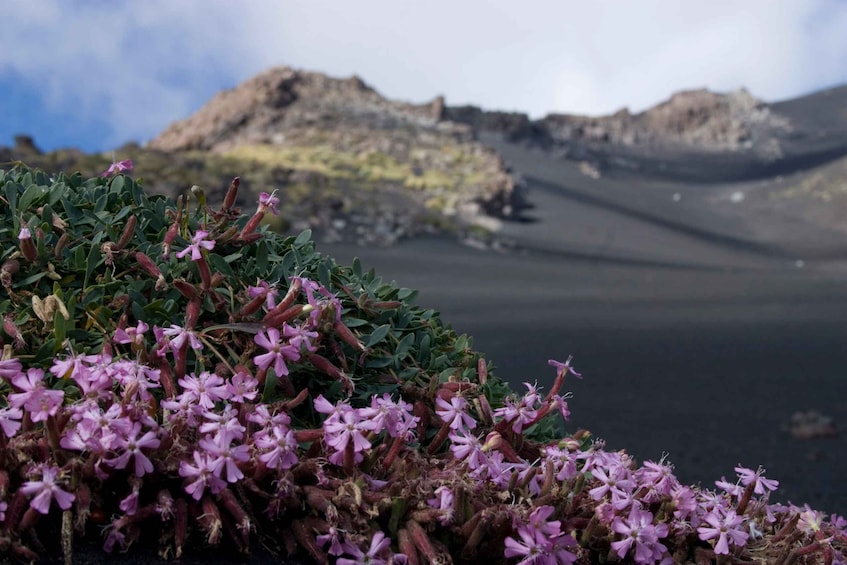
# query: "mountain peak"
282,100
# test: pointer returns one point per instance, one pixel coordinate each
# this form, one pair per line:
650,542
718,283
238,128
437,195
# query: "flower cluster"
245,387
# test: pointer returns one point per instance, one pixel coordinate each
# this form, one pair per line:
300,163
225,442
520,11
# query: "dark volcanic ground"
700,328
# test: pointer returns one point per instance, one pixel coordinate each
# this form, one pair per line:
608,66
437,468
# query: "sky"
98,73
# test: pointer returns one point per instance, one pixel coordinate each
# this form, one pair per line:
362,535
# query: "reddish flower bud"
231,194
170,237
27,246
147,264
275,320
325,366
129,231
60,245
10,267
187,289
192,313
13,332
344,333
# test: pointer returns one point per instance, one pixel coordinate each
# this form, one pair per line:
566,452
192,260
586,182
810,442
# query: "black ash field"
701,320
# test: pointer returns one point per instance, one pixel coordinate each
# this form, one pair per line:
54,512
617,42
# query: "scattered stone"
811,424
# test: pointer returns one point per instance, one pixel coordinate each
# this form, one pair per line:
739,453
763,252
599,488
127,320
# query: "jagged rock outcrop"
283,102
694,120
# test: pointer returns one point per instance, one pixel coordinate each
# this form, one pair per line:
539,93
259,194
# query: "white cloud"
137,66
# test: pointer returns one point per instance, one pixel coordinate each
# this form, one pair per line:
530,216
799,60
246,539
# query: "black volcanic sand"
697,337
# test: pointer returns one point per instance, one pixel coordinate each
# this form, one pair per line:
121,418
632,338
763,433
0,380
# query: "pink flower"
129,505
225,421
810,520
615,479
532,547
242,387
178,337
278,351
206,388
537,546
563,367
300,337
639,531
455,413
9,368
334,539
347,428
117,167
266,291
443,501
268,202
198,241
131,335
523,413
379,545
203,475
749,476
225,455
135,378
386,414
38,401
467,448
727,528
658,477
10,420
279,448
131,446
46,490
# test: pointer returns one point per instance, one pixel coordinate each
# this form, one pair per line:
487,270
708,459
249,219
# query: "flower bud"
12,331
60,245
129,231
147,264
10,267
231,194
27,246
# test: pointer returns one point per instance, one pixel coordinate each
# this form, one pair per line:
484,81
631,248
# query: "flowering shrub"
174,373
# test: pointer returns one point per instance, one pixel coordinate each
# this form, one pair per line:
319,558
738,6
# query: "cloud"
134,67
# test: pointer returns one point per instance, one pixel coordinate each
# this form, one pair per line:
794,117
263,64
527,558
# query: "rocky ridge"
690,122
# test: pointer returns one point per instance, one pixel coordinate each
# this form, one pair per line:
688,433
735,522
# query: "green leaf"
31,195
47,214
423,350
407,294
379,362
261,256
29,280
56,192
93,259
219,264
11,192
323,274
60,330
378,335
303,238
117,185
404,347
74,213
